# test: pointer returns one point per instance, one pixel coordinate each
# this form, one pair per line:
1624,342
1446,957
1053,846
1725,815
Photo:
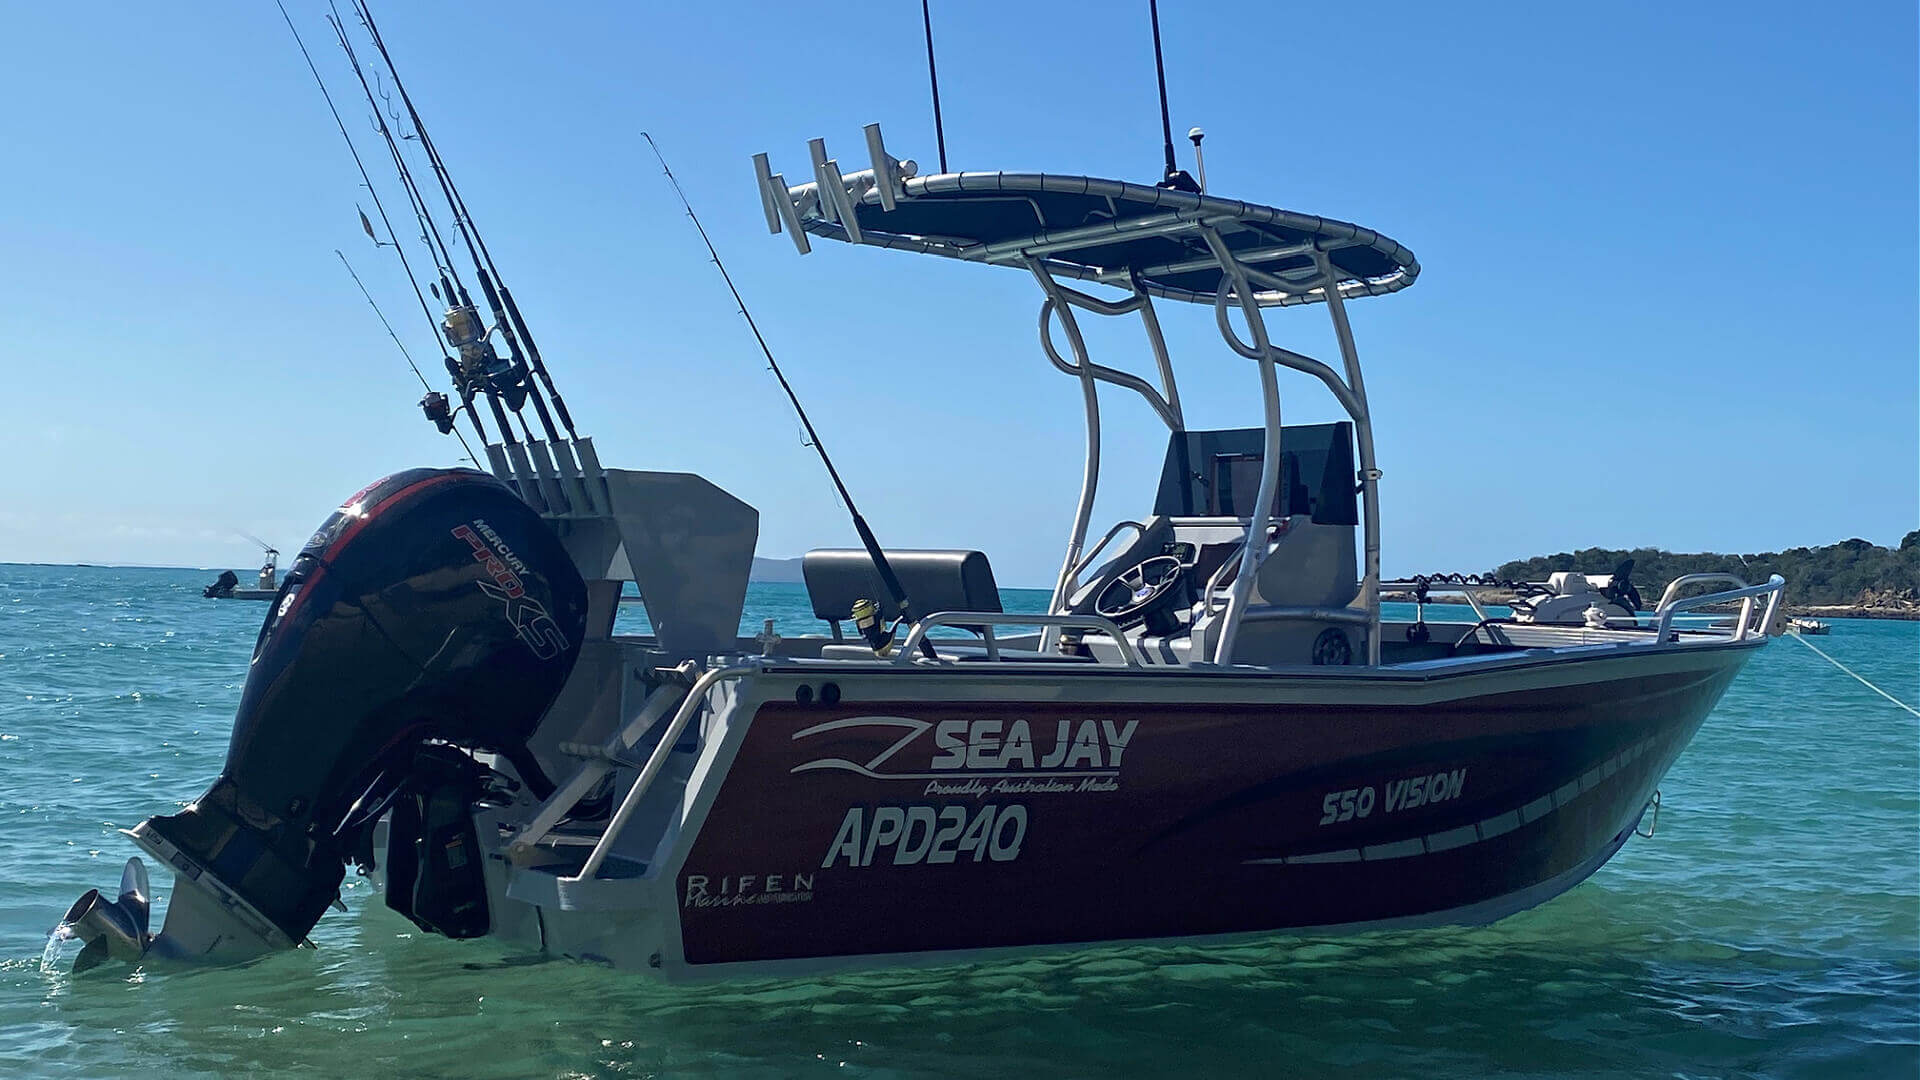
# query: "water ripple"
1768,930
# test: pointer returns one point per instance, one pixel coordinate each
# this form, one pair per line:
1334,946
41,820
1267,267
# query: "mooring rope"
1863,680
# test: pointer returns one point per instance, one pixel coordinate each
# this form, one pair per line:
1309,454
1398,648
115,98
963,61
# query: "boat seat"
1311,565
934,581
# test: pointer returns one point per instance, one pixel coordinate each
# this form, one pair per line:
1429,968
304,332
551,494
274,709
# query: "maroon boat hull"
898,826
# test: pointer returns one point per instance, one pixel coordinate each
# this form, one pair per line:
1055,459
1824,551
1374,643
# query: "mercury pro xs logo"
528,618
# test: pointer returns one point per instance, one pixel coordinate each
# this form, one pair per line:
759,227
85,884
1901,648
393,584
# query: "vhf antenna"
1175,178
933,80
874,551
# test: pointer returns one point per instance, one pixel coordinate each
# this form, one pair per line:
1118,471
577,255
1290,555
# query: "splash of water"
51,956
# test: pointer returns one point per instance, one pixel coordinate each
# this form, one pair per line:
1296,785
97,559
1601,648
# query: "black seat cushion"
934,581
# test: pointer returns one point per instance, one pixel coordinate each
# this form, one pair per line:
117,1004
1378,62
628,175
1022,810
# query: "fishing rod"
507,313
867,539
429,231
434,414
461,325
464,321
458,379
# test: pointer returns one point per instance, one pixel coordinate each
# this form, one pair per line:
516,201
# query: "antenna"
867,539
1199,159
1175,179
933,79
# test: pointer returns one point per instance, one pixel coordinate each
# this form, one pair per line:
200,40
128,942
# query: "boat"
1213,732
1809,626
266,582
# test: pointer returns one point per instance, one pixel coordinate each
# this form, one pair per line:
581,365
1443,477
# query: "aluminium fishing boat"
1214,730
265,587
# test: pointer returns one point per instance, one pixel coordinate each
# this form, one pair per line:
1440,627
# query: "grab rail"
1073,575
1669,607
998,618
1674,586
689,707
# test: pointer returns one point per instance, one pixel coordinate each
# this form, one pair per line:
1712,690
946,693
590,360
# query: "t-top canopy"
1108,231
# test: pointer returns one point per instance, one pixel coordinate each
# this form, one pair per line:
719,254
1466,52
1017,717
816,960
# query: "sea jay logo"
527,616
1019,756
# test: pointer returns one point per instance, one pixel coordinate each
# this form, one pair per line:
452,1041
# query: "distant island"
784,571
1850,579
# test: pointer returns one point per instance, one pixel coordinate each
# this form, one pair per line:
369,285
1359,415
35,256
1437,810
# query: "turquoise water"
1769,929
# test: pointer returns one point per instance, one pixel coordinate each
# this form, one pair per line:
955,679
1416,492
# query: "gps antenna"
867,540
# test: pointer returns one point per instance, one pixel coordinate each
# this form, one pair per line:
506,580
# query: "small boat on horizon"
266,582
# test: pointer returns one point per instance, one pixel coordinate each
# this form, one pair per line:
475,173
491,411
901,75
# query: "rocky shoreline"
1488,595
1870,604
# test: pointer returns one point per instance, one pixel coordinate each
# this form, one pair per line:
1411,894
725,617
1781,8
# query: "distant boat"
267,585
1808,626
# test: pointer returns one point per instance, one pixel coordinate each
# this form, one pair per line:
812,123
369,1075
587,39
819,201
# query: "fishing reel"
878,635
481,365
439,410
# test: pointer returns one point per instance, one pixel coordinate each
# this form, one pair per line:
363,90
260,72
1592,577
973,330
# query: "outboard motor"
222,586
433,611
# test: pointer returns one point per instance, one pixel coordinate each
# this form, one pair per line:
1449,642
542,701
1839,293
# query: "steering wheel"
1133,596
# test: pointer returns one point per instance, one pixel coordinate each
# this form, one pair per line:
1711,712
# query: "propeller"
113,929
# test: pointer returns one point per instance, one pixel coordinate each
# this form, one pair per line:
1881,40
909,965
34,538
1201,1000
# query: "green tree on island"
1849,572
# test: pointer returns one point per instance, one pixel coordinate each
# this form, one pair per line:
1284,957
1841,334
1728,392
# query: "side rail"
906,653
1743,626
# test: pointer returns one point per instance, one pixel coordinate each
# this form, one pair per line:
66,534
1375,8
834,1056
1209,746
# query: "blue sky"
1668,292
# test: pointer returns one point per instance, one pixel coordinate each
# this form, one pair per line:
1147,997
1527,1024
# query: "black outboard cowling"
222,586
435,606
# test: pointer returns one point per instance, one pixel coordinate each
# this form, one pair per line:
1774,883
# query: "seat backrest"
934,581
1311,565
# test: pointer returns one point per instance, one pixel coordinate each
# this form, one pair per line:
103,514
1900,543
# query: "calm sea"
1769,929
